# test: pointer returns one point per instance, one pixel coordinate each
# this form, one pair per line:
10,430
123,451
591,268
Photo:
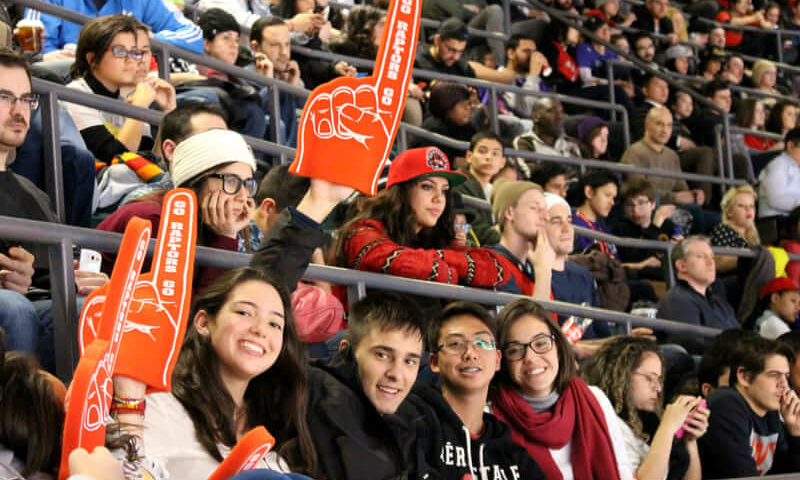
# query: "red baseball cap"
423,161
779,284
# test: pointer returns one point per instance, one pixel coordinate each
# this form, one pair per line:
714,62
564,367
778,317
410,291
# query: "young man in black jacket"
460,439
755,425
354,395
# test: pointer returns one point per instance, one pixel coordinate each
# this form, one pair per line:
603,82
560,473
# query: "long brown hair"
611,369
392,207
276,398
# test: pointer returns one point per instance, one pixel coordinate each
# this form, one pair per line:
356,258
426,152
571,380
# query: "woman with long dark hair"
629,370
241,365
407,229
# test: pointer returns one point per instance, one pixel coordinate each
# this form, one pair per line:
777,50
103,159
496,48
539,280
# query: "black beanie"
215,21
444,95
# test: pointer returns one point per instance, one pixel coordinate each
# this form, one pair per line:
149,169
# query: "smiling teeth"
470,369
391,391
536,371
252,347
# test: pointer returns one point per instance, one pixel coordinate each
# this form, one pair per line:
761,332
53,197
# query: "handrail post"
726,127
507,17
718,150
494,122
162,58
626,130
54,177
402,138
65,314
611,94
356,292
670,270
275,119
779,43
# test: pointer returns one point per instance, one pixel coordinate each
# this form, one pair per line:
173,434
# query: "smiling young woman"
565,425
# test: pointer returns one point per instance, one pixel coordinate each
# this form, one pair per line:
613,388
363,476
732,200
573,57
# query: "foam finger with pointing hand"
349,124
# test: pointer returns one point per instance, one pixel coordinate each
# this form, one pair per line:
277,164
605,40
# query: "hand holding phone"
682,431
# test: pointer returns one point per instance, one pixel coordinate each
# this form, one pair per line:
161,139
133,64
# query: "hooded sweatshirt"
456,454
353,440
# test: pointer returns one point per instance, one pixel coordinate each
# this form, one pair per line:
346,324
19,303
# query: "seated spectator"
176,126
653,19
630,371
475,13
681,104
167,23
782,118
652,152
446,52
528,65
547,135
552,177
570,282
462,347
520,210
792,339
765,75
245,310
792,43
711,60
107,58
550,409
755,426
221,42
451,108
324,29
223,183
714,370
780,304
353,394
733,69
32,418
738,228
644,48
698,298
740,12
484,159
779,181
269,40
593,134
643,220
678,59
592,58
24,266
597,192
750,114
609,11
407,228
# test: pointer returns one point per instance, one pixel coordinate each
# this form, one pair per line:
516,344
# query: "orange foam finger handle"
246,454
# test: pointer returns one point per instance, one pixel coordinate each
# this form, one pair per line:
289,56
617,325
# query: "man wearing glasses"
755,427
461,440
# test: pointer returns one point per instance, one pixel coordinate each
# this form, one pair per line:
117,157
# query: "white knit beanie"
551,200
204,151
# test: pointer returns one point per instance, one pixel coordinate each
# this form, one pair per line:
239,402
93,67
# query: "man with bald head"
547,135
652,152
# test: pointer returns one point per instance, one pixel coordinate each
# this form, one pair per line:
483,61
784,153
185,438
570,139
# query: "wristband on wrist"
128,405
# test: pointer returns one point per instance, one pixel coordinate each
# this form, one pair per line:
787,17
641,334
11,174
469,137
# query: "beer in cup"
29,35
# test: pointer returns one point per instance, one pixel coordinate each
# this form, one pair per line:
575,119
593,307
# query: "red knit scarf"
577,416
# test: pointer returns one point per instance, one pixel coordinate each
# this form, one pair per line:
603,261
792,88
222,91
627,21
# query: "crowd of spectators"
403,386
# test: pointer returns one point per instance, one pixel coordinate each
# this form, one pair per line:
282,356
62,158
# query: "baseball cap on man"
779,284
422,162
452,28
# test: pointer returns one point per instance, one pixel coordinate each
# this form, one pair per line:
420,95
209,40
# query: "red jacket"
368,247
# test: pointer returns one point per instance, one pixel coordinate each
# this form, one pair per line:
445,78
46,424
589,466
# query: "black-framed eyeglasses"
458,344
232,183
121,52
540,344
8,100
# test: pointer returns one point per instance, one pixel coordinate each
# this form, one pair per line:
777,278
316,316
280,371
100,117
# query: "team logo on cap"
436,159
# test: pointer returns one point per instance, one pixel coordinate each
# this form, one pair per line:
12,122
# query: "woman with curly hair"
629,370
362,33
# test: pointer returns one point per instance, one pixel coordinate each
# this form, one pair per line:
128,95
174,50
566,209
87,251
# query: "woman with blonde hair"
630,371
738,228
765,76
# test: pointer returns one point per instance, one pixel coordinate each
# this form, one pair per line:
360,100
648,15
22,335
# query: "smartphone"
681,431
90,261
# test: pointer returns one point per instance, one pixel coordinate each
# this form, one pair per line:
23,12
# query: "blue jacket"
166,21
